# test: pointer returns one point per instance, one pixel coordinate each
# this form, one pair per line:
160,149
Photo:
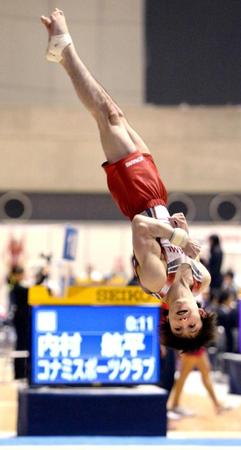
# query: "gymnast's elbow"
139,227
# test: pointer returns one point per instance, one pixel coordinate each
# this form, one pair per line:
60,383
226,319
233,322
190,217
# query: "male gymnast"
164,254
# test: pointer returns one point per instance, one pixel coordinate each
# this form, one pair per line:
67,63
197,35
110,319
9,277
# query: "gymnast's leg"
117,137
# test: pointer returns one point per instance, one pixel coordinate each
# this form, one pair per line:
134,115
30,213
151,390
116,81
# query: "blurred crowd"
222,297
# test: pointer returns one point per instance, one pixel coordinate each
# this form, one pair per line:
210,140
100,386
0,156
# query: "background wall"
45,148
49,143
100,29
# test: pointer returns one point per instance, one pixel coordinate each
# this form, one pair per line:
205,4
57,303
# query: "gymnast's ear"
202,313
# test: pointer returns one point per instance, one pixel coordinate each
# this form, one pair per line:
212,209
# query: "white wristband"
179,237
56,46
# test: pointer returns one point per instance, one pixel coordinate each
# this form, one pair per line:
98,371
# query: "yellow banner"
101,295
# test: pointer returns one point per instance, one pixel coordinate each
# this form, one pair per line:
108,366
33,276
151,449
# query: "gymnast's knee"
108,114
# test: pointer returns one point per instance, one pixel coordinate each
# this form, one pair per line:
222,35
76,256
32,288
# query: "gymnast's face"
185,318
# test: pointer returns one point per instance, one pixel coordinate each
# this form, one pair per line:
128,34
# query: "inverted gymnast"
164,254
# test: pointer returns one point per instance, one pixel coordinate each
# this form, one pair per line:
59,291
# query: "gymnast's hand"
192,248
178,220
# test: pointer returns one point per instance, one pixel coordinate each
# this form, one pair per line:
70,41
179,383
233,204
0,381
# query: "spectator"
227,313
215,263
19,314
229,282
20,317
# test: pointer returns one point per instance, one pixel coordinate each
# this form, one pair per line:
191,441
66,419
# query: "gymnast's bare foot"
59,37
55,23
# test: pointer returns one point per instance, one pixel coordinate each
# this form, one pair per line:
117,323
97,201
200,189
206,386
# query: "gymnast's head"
187,327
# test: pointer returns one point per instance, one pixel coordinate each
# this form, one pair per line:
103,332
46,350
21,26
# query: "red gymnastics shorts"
135,184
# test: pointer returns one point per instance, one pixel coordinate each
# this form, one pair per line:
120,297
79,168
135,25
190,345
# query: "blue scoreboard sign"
95,344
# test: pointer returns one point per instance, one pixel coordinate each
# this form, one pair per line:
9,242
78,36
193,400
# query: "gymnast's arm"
151,269
192,247
151,228
145,231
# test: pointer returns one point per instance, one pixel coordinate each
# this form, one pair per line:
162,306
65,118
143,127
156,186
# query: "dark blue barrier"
137,411
232,362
